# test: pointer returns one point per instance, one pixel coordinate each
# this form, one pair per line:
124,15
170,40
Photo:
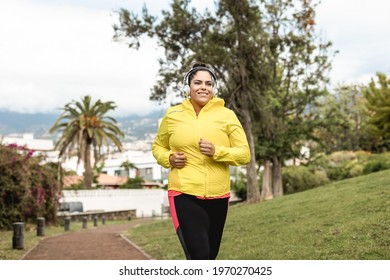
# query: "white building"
28,140
39,146
146,164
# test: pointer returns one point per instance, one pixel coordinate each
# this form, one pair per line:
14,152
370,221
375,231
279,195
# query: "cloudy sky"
55,51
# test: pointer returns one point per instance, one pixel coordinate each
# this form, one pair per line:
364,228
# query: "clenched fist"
206,148
178,159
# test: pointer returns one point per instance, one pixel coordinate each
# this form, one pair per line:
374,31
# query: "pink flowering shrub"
28,189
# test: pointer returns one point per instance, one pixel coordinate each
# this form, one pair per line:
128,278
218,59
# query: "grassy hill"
346,220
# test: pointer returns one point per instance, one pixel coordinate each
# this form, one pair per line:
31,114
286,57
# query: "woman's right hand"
178,159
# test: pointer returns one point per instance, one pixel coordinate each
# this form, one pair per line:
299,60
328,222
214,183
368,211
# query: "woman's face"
201,89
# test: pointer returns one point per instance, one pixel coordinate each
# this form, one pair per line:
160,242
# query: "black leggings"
199,224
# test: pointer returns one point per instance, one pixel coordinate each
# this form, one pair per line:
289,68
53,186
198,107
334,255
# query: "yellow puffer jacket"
181,130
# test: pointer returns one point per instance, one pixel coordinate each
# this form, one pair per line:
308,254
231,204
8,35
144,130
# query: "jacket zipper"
204,159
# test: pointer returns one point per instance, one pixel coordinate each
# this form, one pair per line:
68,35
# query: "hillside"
135,127
349,219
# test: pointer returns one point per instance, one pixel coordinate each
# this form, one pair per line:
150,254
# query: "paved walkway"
106,242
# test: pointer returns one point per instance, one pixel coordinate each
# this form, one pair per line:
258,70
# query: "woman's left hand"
206,148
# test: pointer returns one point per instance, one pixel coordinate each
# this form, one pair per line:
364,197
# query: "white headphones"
186,82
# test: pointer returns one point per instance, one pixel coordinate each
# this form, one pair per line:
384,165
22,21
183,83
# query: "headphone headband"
197,68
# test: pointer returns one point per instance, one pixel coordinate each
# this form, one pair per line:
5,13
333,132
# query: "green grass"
346,220
31,239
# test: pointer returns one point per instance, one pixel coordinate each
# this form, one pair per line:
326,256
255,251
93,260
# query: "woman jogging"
198,140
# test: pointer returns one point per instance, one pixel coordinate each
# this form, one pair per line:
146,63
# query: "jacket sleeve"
160,148
238,153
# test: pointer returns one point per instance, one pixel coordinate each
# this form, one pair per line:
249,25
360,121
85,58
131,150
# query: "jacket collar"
215,101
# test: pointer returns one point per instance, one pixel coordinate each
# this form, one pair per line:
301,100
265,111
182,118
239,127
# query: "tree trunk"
87,167
277,184
266,189
253,192
60,175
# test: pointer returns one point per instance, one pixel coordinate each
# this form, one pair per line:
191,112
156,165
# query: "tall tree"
297,62
344,125
378,106
239,40
85,125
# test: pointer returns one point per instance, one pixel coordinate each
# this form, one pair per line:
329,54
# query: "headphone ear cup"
215,89
186,90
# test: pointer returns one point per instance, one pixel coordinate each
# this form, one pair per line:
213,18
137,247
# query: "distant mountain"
135,127
39,123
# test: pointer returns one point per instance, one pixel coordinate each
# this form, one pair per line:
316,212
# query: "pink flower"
30,153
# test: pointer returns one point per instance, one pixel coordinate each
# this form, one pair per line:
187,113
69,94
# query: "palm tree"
85,125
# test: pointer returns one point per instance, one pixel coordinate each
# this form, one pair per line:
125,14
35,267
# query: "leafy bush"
340,165
300,178
356,170
377,163
321,178
347,164
28,189
340,157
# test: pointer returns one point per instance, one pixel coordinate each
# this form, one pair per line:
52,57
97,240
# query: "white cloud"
53,54
358,30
